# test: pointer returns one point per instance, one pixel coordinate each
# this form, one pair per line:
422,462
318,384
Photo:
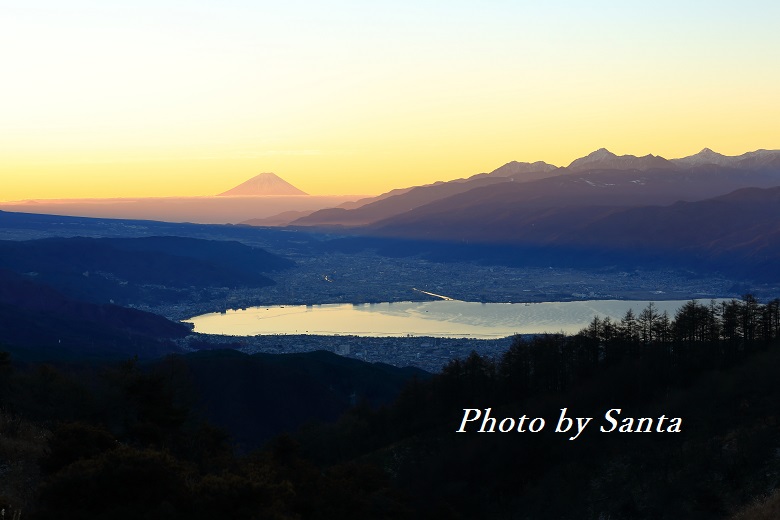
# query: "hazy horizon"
354,195
104,99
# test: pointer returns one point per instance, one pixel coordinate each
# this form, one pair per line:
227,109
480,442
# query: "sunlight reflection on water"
438,318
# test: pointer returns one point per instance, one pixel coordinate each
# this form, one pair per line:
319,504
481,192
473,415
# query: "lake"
440,318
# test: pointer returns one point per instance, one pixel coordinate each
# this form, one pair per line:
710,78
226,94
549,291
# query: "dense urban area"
367,277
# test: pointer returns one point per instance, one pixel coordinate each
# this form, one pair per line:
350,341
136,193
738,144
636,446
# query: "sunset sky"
163,98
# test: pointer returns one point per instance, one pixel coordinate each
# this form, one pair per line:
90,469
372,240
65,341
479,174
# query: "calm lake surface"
440,318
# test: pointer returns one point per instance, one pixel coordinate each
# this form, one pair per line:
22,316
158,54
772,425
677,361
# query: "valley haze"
603,227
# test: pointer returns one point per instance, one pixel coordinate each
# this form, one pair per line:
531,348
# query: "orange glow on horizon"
163,99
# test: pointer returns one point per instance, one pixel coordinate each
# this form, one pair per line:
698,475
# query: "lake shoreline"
430,318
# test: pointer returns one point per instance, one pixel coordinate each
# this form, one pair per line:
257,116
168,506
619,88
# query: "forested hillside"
711,366
125,441
144,270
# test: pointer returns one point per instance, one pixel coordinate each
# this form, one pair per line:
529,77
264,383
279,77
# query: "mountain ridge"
399,201
601,177
263,185
603,159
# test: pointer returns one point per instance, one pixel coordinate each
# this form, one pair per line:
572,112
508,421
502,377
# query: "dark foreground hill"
711,367
38,322
256,397
694,430
126,440
138,270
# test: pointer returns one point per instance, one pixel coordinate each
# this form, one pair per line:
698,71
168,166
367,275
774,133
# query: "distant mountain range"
603,159
599,203
708,208
600,178
263,196
398,201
